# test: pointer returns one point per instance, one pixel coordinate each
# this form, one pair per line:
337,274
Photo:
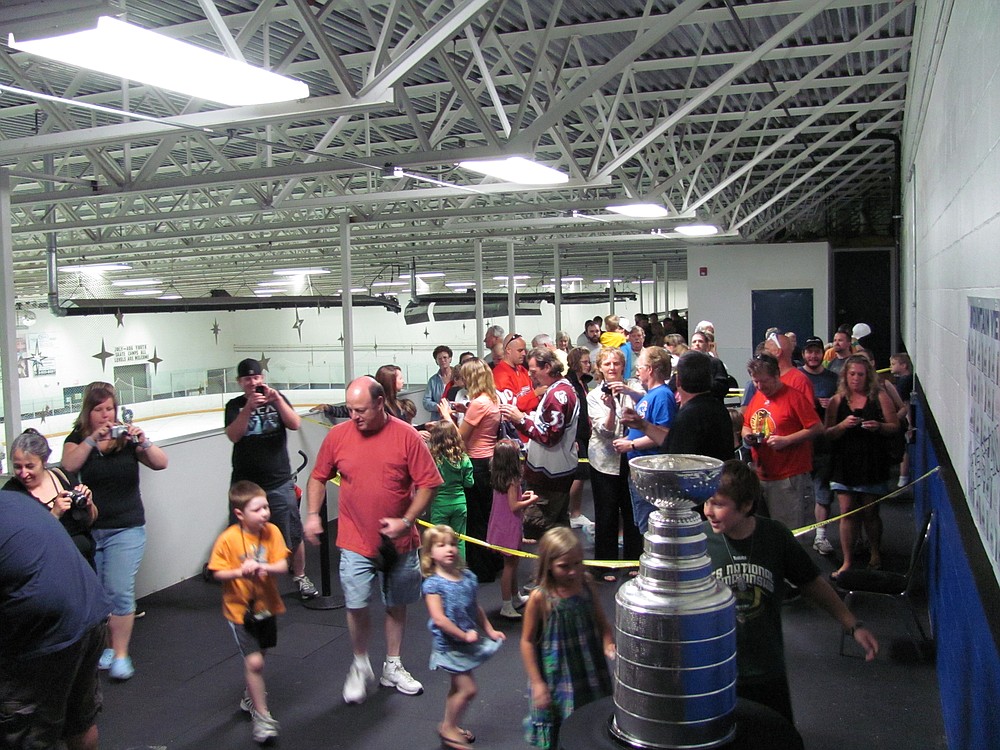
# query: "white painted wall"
723,296
951,202
188,347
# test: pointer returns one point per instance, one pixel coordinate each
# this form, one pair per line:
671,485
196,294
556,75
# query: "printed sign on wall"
983,368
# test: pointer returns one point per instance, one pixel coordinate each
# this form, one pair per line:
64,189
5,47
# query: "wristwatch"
407,522
854,628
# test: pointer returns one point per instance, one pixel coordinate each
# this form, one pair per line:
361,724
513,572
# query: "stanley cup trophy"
675,624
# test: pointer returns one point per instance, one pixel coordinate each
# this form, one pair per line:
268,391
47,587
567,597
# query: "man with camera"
387,479
256,423
779,426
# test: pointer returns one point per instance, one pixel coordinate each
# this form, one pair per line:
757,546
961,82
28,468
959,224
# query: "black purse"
262,626
387,556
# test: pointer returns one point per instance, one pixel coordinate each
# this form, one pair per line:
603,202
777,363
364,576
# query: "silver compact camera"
118,430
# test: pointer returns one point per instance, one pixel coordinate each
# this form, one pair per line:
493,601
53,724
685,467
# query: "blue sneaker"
121,669
107,656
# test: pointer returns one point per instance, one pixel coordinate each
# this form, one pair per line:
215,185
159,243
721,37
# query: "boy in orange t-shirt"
245,558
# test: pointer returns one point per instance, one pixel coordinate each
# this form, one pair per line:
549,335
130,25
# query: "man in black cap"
256,423
824,384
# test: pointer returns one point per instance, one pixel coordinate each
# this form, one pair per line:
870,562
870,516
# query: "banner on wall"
983,368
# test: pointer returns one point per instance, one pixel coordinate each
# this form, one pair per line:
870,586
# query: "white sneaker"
519,601
580,522
357,682
508,611
394,674
246,704
265,728
823,546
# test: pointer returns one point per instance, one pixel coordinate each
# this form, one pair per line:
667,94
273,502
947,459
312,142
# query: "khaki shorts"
790,500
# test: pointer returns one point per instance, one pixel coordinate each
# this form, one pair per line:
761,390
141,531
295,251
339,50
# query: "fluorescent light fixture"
136,282
96,268
142,293
276,282
459,284
431,275
606,281
516,169
697,230
640,210
388,283
517,277
172,295
355,290
127,51
300,271
262,294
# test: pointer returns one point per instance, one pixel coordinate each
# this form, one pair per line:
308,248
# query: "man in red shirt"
387,478
779,425
511,378
779,346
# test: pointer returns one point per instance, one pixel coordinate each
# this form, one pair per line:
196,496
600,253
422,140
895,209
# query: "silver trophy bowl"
675,624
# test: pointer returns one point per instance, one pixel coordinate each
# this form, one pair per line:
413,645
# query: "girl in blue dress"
566,639
458,625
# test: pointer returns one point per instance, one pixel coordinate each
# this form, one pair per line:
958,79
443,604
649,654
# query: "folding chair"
897,586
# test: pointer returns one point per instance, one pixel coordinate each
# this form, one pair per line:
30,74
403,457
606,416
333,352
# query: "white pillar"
477,249
611,283
511,312
8,318
346,298
557,273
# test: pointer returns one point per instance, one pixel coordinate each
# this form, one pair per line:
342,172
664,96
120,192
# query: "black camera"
605,388
261,389
77,500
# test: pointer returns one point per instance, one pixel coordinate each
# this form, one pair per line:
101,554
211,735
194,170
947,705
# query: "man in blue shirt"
54,613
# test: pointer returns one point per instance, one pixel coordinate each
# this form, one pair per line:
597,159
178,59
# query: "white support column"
557,273
511,289
477,246
8,318
611,283
346,297
666,287
653,306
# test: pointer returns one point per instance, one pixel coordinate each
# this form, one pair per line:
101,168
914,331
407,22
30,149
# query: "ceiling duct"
211,304
462,306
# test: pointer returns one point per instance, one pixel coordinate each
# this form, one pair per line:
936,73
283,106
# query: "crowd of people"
499,462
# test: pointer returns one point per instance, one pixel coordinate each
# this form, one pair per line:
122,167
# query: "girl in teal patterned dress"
566,639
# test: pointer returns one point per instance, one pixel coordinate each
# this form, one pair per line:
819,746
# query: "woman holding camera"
107,455
71,503
859,419
608,467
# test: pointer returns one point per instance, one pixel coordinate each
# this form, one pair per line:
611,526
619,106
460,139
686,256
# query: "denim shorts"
399,587
245,642
876,488
285,513
118,554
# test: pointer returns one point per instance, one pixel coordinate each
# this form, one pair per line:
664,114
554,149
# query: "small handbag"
262,626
